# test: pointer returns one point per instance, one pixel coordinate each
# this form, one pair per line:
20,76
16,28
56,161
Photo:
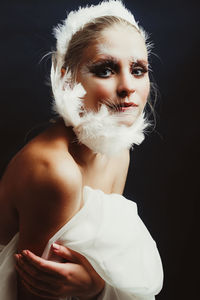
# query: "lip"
123,106
127,106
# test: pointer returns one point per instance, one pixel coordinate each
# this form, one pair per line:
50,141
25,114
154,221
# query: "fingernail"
25,252
16,256
55,246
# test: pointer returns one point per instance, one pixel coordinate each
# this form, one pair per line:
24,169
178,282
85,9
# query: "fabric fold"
109,233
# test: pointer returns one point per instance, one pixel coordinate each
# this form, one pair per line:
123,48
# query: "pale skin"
43,183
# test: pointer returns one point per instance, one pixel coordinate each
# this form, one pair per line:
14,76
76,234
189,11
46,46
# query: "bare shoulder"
47,186
49,168
43,163
52,171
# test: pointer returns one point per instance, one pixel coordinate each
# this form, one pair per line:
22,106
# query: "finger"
72,256
38,293
66,253
49,271
36,273
17,256
39,263
36,284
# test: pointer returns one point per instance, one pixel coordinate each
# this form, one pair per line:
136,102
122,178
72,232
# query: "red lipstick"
127,105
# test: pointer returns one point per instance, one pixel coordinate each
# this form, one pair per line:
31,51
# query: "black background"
164,175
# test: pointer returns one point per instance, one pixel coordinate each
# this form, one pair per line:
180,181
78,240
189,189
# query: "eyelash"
100,70
142,70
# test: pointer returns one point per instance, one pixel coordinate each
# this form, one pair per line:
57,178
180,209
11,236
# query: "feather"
101,131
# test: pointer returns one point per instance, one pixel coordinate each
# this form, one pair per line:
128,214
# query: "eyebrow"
114,60
103,62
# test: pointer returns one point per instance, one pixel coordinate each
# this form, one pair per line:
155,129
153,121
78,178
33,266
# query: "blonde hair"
89,34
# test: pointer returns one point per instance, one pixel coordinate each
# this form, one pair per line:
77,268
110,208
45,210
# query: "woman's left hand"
48,279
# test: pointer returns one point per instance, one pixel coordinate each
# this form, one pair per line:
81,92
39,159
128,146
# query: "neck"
81,153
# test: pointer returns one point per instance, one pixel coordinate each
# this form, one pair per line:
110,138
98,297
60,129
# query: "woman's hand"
48,279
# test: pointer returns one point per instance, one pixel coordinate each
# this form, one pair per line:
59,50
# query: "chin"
109,134
103,131
128,121
127,118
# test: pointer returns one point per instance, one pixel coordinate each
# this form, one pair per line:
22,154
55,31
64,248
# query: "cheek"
103,89
99,89
144,90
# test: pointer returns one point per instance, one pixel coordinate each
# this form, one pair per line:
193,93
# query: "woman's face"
114,71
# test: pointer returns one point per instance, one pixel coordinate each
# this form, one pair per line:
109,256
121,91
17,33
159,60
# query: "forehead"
120,42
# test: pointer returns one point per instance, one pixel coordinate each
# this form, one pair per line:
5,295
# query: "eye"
103,72
104,69
138,71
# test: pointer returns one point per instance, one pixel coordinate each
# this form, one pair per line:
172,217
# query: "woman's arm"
50,194
74,277
51,191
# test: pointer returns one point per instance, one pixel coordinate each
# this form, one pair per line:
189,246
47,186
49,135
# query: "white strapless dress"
109,233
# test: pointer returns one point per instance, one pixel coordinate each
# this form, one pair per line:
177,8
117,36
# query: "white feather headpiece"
77,19
100,131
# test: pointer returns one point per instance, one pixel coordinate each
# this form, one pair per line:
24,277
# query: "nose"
125,85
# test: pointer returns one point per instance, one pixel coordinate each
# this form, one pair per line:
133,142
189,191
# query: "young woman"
65,185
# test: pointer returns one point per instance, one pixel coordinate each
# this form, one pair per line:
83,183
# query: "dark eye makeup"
105,68
138,69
